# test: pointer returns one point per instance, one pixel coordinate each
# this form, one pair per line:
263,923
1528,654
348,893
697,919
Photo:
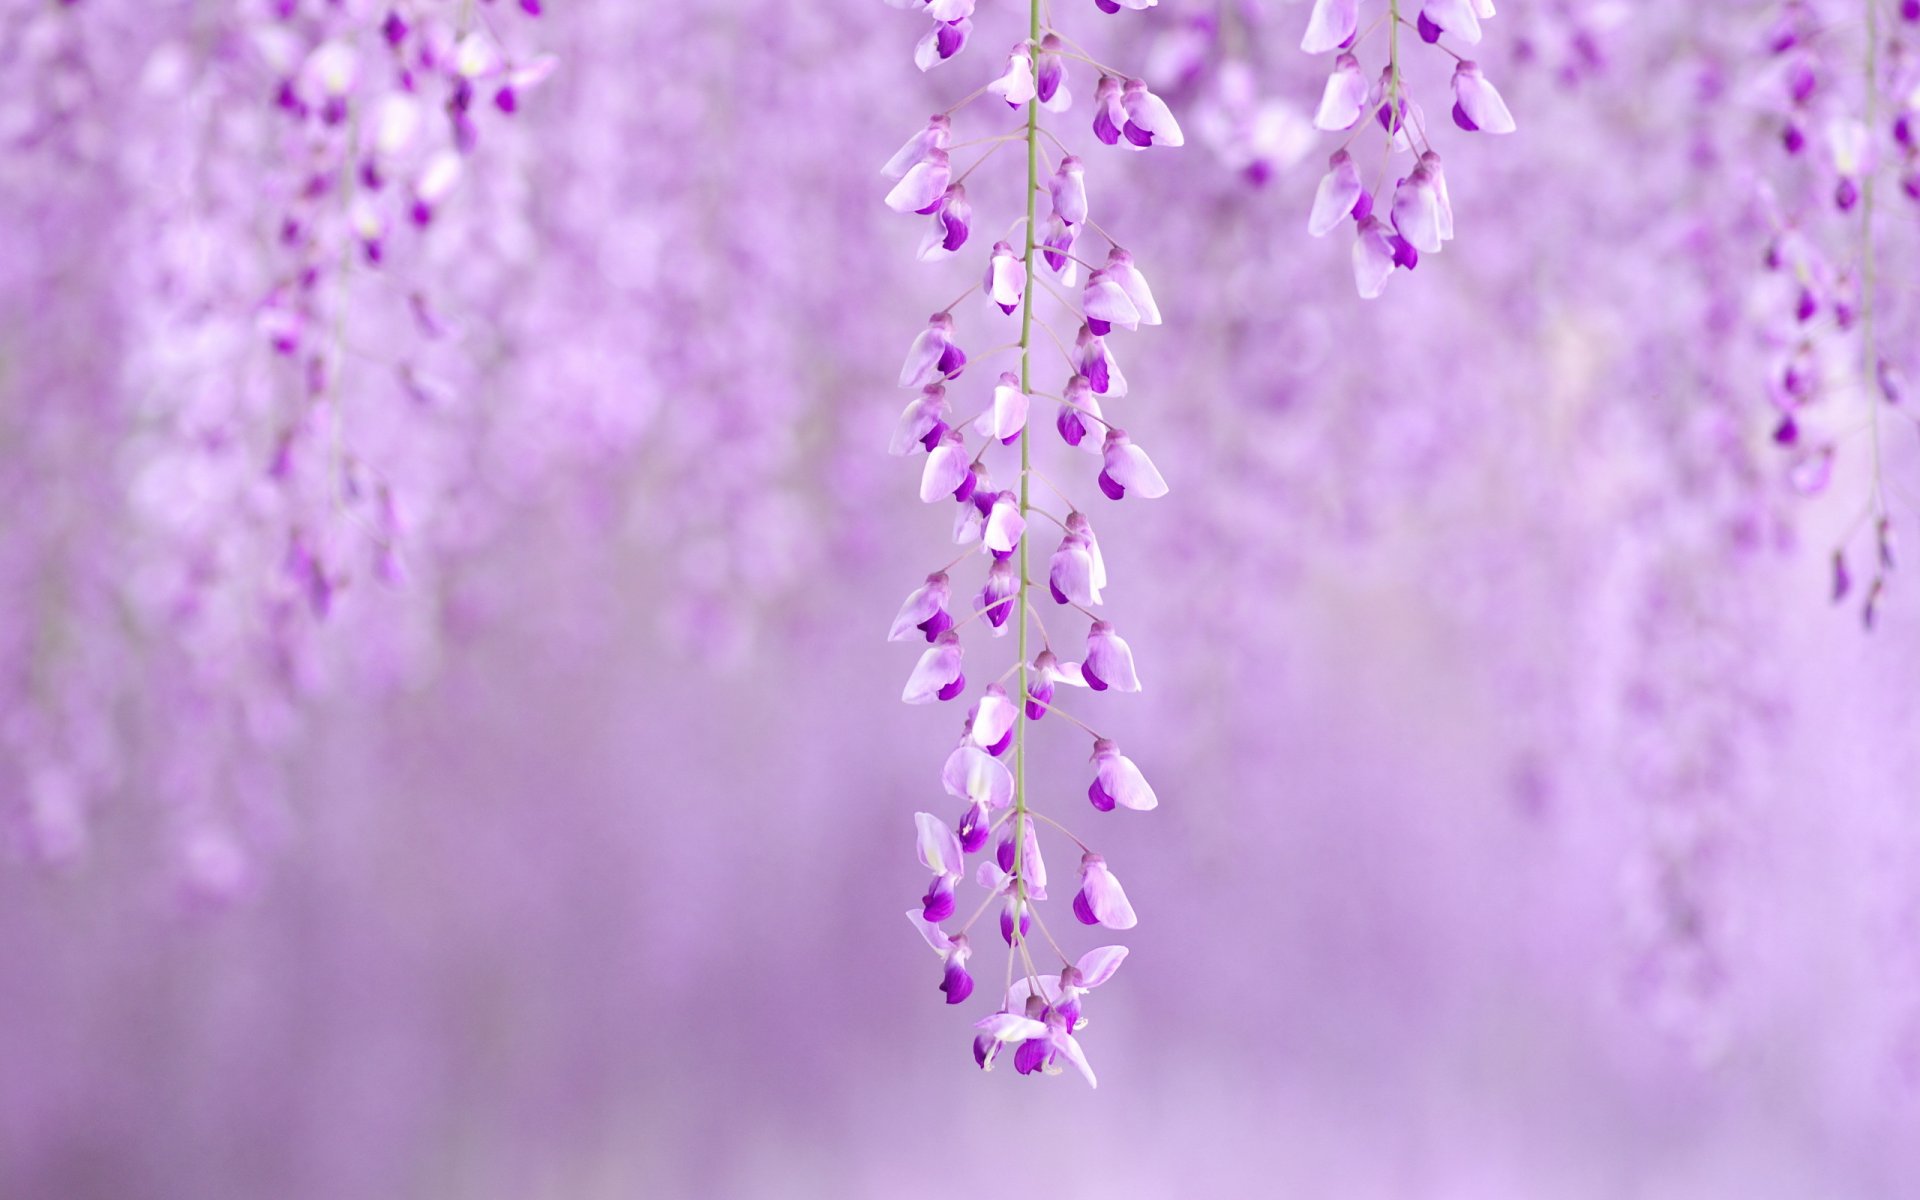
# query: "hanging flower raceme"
1416,217
986,773
1827,320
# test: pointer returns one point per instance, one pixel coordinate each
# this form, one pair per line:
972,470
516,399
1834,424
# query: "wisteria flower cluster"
1419,214
286,291
1039,1011
1843,103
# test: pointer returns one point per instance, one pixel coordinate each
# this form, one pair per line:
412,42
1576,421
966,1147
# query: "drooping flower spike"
986,772
1416,214
1825,312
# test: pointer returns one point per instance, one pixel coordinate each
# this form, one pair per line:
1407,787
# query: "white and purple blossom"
1101,900
925,610
1477,105
1126,467
1117,781
1109,660
937,675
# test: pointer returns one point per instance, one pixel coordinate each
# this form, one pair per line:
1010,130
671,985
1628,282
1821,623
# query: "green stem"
1020,817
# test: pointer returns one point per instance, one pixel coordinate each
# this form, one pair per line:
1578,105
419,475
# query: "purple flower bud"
920,189
992,720
1016,85
937,675
1118,780
1149,121
948,229
1109,661
1055,247
1479,102
1050,74
938,904
1004,527
1006,278
996,598
1068,191
925,609
1842,582
1374,257
1092,359
1106,304
1343,97
948,472
1008,416
1108,113
1416,211
1080,407
1101,900
1070,573
920,423
942,42
955,982
1047,669
1127,467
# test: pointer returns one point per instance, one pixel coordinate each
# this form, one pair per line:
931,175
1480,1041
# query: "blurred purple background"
1531,825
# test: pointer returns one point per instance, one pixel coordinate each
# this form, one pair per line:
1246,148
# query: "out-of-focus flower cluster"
1837,149
1419,217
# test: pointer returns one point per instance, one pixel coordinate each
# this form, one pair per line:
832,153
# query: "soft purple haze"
448,745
